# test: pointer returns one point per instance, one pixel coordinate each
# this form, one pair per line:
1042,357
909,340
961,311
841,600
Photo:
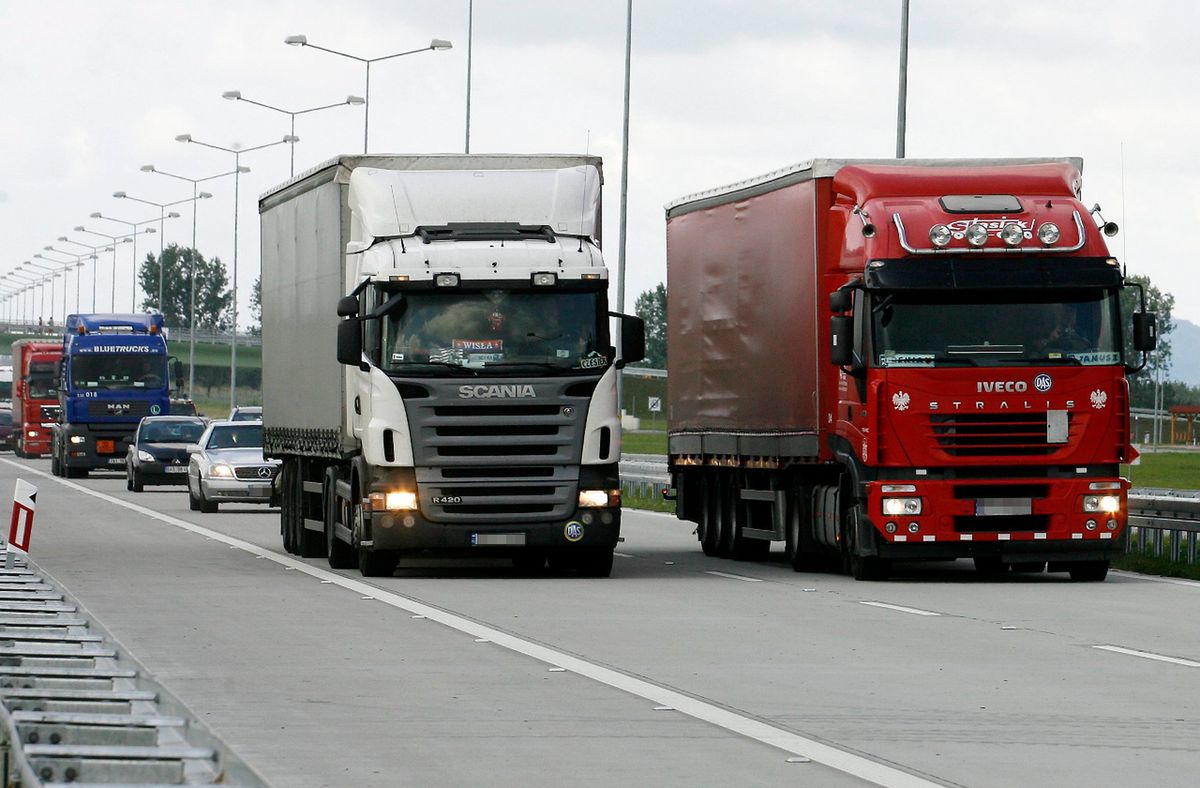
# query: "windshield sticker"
893,359
485,345
592,361
562,352
397,357
1096,358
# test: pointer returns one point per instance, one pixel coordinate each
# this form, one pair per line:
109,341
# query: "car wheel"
135,482
193,501
206,506
128,478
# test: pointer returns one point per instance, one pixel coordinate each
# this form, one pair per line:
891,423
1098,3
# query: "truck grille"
50,413
134,408
500,461
996,434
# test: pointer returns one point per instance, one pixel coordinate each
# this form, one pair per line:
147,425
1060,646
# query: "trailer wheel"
310,543
710,515
340,555
727,505
1089,571
287,508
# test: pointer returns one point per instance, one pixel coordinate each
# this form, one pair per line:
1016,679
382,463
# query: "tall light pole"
236,95
134,226
95,268
624,187
237,168
67,265
128,238
196,196
902,108
27,284
435,45
44,273
163,215
470,42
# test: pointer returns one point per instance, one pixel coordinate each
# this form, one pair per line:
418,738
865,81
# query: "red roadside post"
20,529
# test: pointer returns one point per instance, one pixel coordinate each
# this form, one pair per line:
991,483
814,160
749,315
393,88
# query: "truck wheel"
55,467
802,554
862,567
1089,571
377,564
710,516
727,506
595,562
340,555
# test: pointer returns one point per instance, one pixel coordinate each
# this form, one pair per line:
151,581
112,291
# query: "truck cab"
35,395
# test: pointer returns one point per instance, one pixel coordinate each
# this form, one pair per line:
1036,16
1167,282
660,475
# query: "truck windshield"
118,371
495,330
43,386
925,329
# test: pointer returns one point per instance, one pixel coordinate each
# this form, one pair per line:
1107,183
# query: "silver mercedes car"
227,466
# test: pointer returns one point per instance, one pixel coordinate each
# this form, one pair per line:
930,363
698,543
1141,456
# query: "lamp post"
43,273
237,170
26,286
67,265
192,267
236,95
95,269
435,45
134,226
163,216
128,238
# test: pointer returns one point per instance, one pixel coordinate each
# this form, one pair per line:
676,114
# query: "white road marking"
915,611
1150,655
1175,581
621,555
734,577
741,725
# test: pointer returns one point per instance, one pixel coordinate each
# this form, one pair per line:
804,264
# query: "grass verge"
643,442
1173,470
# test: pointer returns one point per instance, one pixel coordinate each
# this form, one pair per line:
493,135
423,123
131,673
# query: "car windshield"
249,436
247,414
924,329
43,386
171,431
482,331
118,371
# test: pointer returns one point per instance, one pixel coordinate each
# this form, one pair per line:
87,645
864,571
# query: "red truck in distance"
35,395
888,360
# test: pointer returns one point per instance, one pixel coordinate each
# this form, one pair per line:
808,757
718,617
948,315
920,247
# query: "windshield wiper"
947,361
1060,360
535,364
459,368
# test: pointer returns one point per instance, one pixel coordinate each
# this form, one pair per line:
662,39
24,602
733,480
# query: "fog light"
1048,233
587,517
939,235
77,439
890,528
913,528
1111,525
599,498
1012,234
1090,525
897,506
976,234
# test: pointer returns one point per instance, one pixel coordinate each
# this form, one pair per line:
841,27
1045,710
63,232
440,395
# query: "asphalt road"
678,670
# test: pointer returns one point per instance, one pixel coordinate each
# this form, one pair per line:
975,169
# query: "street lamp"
134,225
27,284
67,265
435,45
196,195
95,269
45,273
127,238
289,139
162,217
236,95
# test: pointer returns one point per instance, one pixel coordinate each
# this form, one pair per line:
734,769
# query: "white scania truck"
437,367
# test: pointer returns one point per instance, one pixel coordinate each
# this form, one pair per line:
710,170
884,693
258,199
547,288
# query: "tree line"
178,266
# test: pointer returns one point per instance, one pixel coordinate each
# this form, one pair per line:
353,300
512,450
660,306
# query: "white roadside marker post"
21,527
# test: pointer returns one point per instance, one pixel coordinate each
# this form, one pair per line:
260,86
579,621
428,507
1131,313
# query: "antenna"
396,213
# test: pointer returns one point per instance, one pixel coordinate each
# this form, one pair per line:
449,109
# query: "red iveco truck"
35,395
885,360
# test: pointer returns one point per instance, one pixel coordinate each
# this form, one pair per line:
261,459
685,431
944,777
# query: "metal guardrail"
76,708
1162,523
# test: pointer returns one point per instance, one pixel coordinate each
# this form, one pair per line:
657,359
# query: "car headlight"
145,456
223,471
895,507
1102,503
599,498
77,439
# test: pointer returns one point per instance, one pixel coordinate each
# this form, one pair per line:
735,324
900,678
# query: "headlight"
223,471
894,507
1048,233
599,498
976,234
1102,503
145,456
939,235
398,500
1012,234
77,439
32,433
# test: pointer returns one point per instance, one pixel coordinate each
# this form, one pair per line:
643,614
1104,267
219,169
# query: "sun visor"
394,203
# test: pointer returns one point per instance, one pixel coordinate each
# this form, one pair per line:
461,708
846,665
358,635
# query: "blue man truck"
114,370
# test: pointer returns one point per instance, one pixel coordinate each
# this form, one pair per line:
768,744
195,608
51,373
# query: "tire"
595,562
370,563
128,479
1089,571
206,506
799,547
710,518
287,510
727,506
135,482
193,501
862,567
55,466
340,554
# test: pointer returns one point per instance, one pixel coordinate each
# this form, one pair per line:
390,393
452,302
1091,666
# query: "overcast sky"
721,91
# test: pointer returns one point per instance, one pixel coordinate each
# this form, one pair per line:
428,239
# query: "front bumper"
598,528
158,473
236,490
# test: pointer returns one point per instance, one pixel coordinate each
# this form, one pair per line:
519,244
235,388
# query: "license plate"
176,469
105,447
261,492
1003,507
116,460
497,539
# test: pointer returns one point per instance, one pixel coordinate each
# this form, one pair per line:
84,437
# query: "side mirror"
1145,331
841,338
349,344
633,339
177,372
347,306
840,301
193,448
